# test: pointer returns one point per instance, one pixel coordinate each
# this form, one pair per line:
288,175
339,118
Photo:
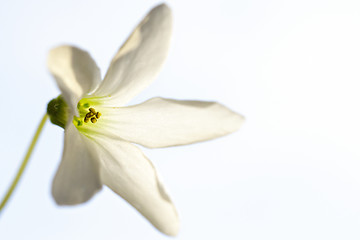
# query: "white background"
291,67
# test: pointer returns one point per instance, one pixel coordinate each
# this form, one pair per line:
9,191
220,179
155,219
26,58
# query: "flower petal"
127,171
75,72
161,122
78,176
140,59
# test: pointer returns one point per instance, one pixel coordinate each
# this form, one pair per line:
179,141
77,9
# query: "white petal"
140,59
75,72
161,122
131,175
78,176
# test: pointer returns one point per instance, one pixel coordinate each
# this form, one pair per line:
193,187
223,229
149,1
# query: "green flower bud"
58,111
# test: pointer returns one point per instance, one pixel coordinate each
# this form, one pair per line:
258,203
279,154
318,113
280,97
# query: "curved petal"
161,122
140,59
126,171
75,72
78,176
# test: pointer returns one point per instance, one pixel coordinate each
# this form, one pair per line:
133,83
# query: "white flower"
98,149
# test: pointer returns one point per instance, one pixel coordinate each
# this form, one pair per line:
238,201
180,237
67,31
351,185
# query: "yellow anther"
92,116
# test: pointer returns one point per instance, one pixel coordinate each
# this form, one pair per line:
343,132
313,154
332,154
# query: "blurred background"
290,67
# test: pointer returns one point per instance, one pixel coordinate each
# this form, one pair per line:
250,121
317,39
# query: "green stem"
24,163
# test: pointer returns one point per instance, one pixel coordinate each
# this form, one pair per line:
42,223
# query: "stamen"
92,116
89,115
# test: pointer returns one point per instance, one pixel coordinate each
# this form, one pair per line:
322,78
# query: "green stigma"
58,111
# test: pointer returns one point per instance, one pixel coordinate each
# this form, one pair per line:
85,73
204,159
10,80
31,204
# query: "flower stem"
24,163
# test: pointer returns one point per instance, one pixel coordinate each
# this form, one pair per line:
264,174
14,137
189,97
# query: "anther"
92,116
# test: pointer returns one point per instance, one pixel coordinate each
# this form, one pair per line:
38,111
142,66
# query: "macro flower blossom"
100,130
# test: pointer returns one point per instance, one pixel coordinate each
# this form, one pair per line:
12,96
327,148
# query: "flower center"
92,116
87,114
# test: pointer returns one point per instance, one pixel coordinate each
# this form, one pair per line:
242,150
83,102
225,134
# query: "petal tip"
72,199
162,7
233,120
162,10
240,119
171,229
